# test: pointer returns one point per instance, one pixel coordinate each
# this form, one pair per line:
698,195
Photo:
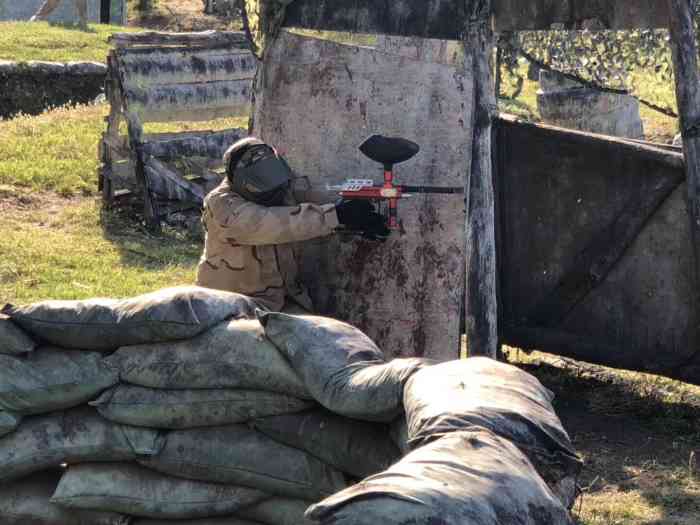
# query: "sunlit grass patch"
25,41
70,249
58,150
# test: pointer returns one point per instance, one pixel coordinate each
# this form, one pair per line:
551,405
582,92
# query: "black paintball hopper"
389,150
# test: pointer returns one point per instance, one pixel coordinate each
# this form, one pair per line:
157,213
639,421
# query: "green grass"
24,41
54,151
57,150
58,249
55,240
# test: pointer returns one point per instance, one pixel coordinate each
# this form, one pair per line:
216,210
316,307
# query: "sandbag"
106,324
481,392
9,422
141,492
233,354
354,447
278,511
398,430
341,367
74,436
13,340
239,455
27,502
202,521
465,478
178,409
52,379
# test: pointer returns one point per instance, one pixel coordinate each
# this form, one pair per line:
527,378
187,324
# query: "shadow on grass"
639,437
123,227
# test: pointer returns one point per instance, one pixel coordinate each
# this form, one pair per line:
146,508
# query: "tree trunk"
481,311
685,60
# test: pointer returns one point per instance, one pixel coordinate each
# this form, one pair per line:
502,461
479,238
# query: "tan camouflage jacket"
248,247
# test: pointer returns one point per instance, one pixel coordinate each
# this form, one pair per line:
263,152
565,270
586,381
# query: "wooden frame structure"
168,77
473,23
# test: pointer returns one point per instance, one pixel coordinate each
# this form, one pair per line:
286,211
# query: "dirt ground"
639,436
181,15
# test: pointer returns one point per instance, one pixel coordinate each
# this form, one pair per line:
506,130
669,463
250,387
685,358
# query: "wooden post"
685,61
481,311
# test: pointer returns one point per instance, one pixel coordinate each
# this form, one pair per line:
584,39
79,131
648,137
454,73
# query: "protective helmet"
257,173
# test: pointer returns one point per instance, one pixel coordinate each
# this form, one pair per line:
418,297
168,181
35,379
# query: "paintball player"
251,220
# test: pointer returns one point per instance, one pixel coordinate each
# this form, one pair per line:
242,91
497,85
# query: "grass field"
24,41
639,434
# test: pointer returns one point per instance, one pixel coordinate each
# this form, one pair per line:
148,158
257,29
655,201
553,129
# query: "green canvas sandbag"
106,324
239,455
179,409
13,340
399,434
471,477
278,511
481,392
27,502
52,379
228,520
357,448
233,354
74,436
141,492
8,422
341,367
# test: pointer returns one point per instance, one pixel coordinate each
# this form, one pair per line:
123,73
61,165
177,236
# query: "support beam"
685,60
481,294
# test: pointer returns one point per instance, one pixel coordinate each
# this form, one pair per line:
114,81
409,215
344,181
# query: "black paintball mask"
257,173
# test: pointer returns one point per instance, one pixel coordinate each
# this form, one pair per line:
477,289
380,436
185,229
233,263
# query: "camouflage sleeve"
253,224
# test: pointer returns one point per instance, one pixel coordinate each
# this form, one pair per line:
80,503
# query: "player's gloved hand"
377,229
360,215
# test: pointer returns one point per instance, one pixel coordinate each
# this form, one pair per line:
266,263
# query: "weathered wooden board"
209,144
195,102
447,19
317,101
595,255
517,15
198,39
440,19
169,185
448,52
143,67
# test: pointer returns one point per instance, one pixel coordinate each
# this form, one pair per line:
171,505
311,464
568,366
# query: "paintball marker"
388,151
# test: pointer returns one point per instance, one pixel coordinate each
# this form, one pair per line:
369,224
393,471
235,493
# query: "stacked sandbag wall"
190,404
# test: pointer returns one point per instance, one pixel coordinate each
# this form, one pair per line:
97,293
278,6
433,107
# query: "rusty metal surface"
317,101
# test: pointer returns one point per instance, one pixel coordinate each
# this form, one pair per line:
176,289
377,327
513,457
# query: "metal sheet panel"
595,253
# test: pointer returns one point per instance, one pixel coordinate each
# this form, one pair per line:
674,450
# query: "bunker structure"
578,244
